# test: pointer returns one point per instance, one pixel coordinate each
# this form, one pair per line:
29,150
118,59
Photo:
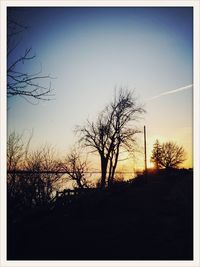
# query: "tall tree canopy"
113,130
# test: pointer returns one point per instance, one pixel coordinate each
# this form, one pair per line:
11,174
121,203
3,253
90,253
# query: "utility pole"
145,150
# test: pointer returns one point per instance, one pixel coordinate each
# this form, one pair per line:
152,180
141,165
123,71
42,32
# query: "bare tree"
168,155
15,154
43,172
32,176
17,151
113,130
19,82
76,168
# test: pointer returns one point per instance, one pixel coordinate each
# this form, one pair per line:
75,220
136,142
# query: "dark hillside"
149,218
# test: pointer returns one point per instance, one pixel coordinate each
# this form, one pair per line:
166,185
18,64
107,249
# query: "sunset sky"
89,52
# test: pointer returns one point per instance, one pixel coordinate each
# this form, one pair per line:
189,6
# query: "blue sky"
91,51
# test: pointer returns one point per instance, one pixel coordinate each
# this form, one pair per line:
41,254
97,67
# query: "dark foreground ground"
148,219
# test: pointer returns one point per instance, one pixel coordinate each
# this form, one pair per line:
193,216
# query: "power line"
59,172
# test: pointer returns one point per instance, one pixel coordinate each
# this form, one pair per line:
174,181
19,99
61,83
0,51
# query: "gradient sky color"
91,51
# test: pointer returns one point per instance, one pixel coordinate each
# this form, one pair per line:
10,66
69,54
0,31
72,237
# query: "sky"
91,51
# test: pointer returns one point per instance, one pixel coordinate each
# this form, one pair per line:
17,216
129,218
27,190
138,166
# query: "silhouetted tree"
17,151
168,155
43,173
32,176
156,154
76,168
114,129
20,82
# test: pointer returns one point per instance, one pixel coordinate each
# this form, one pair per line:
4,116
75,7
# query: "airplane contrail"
172,91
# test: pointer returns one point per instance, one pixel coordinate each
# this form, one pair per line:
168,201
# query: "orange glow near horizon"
108,49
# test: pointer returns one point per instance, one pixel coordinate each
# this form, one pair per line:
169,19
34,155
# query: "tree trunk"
115,164
104,164
110,170
78,181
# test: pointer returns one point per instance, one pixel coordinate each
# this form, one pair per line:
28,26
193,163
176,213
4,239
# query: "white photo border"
196,123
